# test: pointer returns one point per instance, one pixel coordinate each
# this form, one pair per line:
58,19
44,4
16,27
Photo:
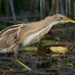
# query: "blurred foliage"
43,8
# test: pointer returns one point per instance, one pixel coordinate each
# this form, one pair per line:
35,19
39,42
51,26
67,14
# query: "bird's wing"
8,40
10,29
9,36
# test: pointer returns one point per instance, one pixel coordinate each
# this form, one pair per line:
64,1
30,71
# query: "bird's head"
58,18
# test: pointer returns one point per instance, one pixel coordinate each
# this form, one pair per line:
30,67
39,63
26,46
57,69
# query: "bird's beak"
68,20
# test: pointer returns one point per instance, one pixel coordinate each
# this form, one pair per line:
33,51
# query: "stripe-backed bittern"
22,35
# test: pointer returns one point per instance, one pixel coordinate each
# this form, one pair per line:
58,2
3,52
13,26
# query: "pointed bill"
68,20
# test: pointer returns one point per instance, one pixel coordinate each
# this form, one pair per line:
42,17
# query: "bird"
19,36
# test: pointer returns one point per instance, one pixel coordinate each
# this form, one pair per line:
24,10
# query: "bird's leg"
17,60
16,53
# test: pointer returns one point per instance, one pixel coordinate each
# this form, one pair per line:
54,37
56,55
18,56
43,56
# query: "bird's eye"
61,18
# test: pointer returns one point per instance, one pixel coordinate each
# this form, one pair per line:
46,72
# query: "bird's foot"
16,58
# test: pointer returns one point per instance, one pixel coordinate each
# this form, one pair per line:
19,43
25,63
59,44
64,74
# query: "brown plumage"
11,38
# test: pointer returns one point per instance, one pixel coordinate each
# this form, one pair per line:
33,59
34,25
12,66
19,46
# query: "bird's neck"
35,29
41,24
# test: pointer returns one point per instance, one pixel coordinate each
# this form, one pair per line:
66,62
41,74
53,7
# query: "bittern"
21,35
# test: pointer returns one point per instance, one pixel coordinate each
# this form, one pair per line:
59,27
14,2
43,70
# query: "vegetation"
19,11
23,11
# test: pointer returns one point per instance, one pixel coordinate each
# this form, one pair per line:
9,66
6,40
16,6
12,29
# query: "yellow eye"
61,18
67,19
64,18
